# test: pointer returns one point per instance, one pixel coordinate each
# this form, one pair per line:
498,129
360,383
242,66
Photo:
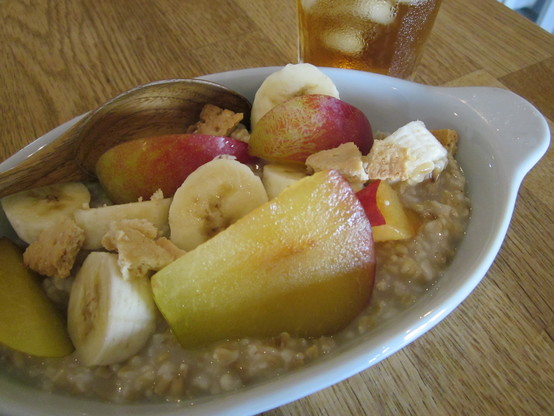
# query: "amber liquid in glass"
383,36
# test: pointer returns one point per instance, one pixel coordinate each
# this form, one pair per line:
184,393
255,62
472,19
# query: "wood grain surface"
494,355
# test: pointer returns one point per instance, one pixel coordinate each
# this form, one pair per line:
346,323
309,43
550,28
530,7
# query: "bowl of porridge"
462,215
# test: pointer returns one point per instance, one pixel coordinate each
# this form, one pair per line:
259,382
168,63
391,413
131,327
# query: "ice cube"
308,4
378,11
410,1
347,41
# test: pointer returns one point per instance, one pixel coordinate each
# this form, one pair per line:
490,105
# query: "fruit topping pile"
222,231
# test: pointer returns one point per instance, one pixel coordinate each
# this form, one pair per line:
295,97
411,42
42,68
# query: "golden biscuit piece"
53,254
448,138
387,161
346,159
240,133
139,251
216,121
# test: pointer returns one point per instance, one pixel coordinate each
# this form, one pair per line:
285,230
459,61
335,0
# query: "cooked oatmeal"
163,370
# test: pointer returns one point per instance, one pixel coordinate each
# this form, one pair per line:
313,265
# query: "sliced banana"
290,81
109,318
213,197
30,212
277,177
96,221
426,155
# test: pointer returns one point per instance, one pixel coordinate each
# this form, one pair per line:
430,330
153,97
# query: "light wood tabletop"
494,355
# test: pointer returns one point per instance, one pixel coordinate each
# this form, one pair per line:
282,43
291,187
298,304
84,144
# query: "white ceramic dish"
502,138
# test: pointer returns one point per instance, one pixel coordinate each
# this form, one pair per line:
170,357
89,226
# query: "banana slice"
96,221
412,153
30,212
277,177
290,81
213,197
109,318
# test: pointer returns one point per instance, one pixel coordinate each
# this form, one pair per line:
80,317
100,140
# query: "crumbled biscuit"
387,161
216,121
346,159
139,252
169,247
157,196
240,133
448,138
380,135
53,254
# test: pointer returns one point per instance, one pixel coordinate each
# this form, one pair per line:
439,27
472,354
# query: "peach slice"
303,125
302,263
138,168
389,220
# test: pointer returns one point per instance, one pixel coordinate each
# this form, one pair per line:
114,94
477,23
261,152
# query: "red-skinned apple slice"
368,198
303,125
138,168
385,212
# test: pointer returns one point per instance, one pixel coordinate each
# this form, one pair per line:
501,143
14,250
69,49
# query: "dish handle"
524,131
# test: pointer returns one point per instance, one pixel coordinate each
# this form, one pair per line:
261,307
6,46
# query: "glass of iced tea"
384,36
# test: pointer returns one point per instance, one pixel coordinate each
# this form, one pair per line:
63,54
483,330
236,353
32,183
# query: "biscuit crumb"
240,133
139,250
448,138
345,159
387,161
216,121
157,196
53,254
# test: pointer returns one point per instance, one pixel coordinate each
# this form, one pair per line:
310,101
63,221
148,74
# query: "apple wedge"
29,321
302,263
138,168
389,220
307,124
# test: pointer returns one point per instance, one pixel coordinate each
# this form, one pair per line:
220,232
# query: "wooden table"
495,354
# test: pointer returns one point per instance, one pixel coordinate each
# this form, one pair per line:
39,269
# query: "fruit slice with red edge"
138,168
389,220
303,125
368,198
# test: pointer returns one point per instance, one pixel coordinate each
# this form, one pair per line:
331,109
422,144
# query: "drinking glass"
383,36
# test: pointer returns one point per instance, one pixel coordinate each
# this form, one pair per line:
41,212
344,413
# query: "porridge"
437,209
